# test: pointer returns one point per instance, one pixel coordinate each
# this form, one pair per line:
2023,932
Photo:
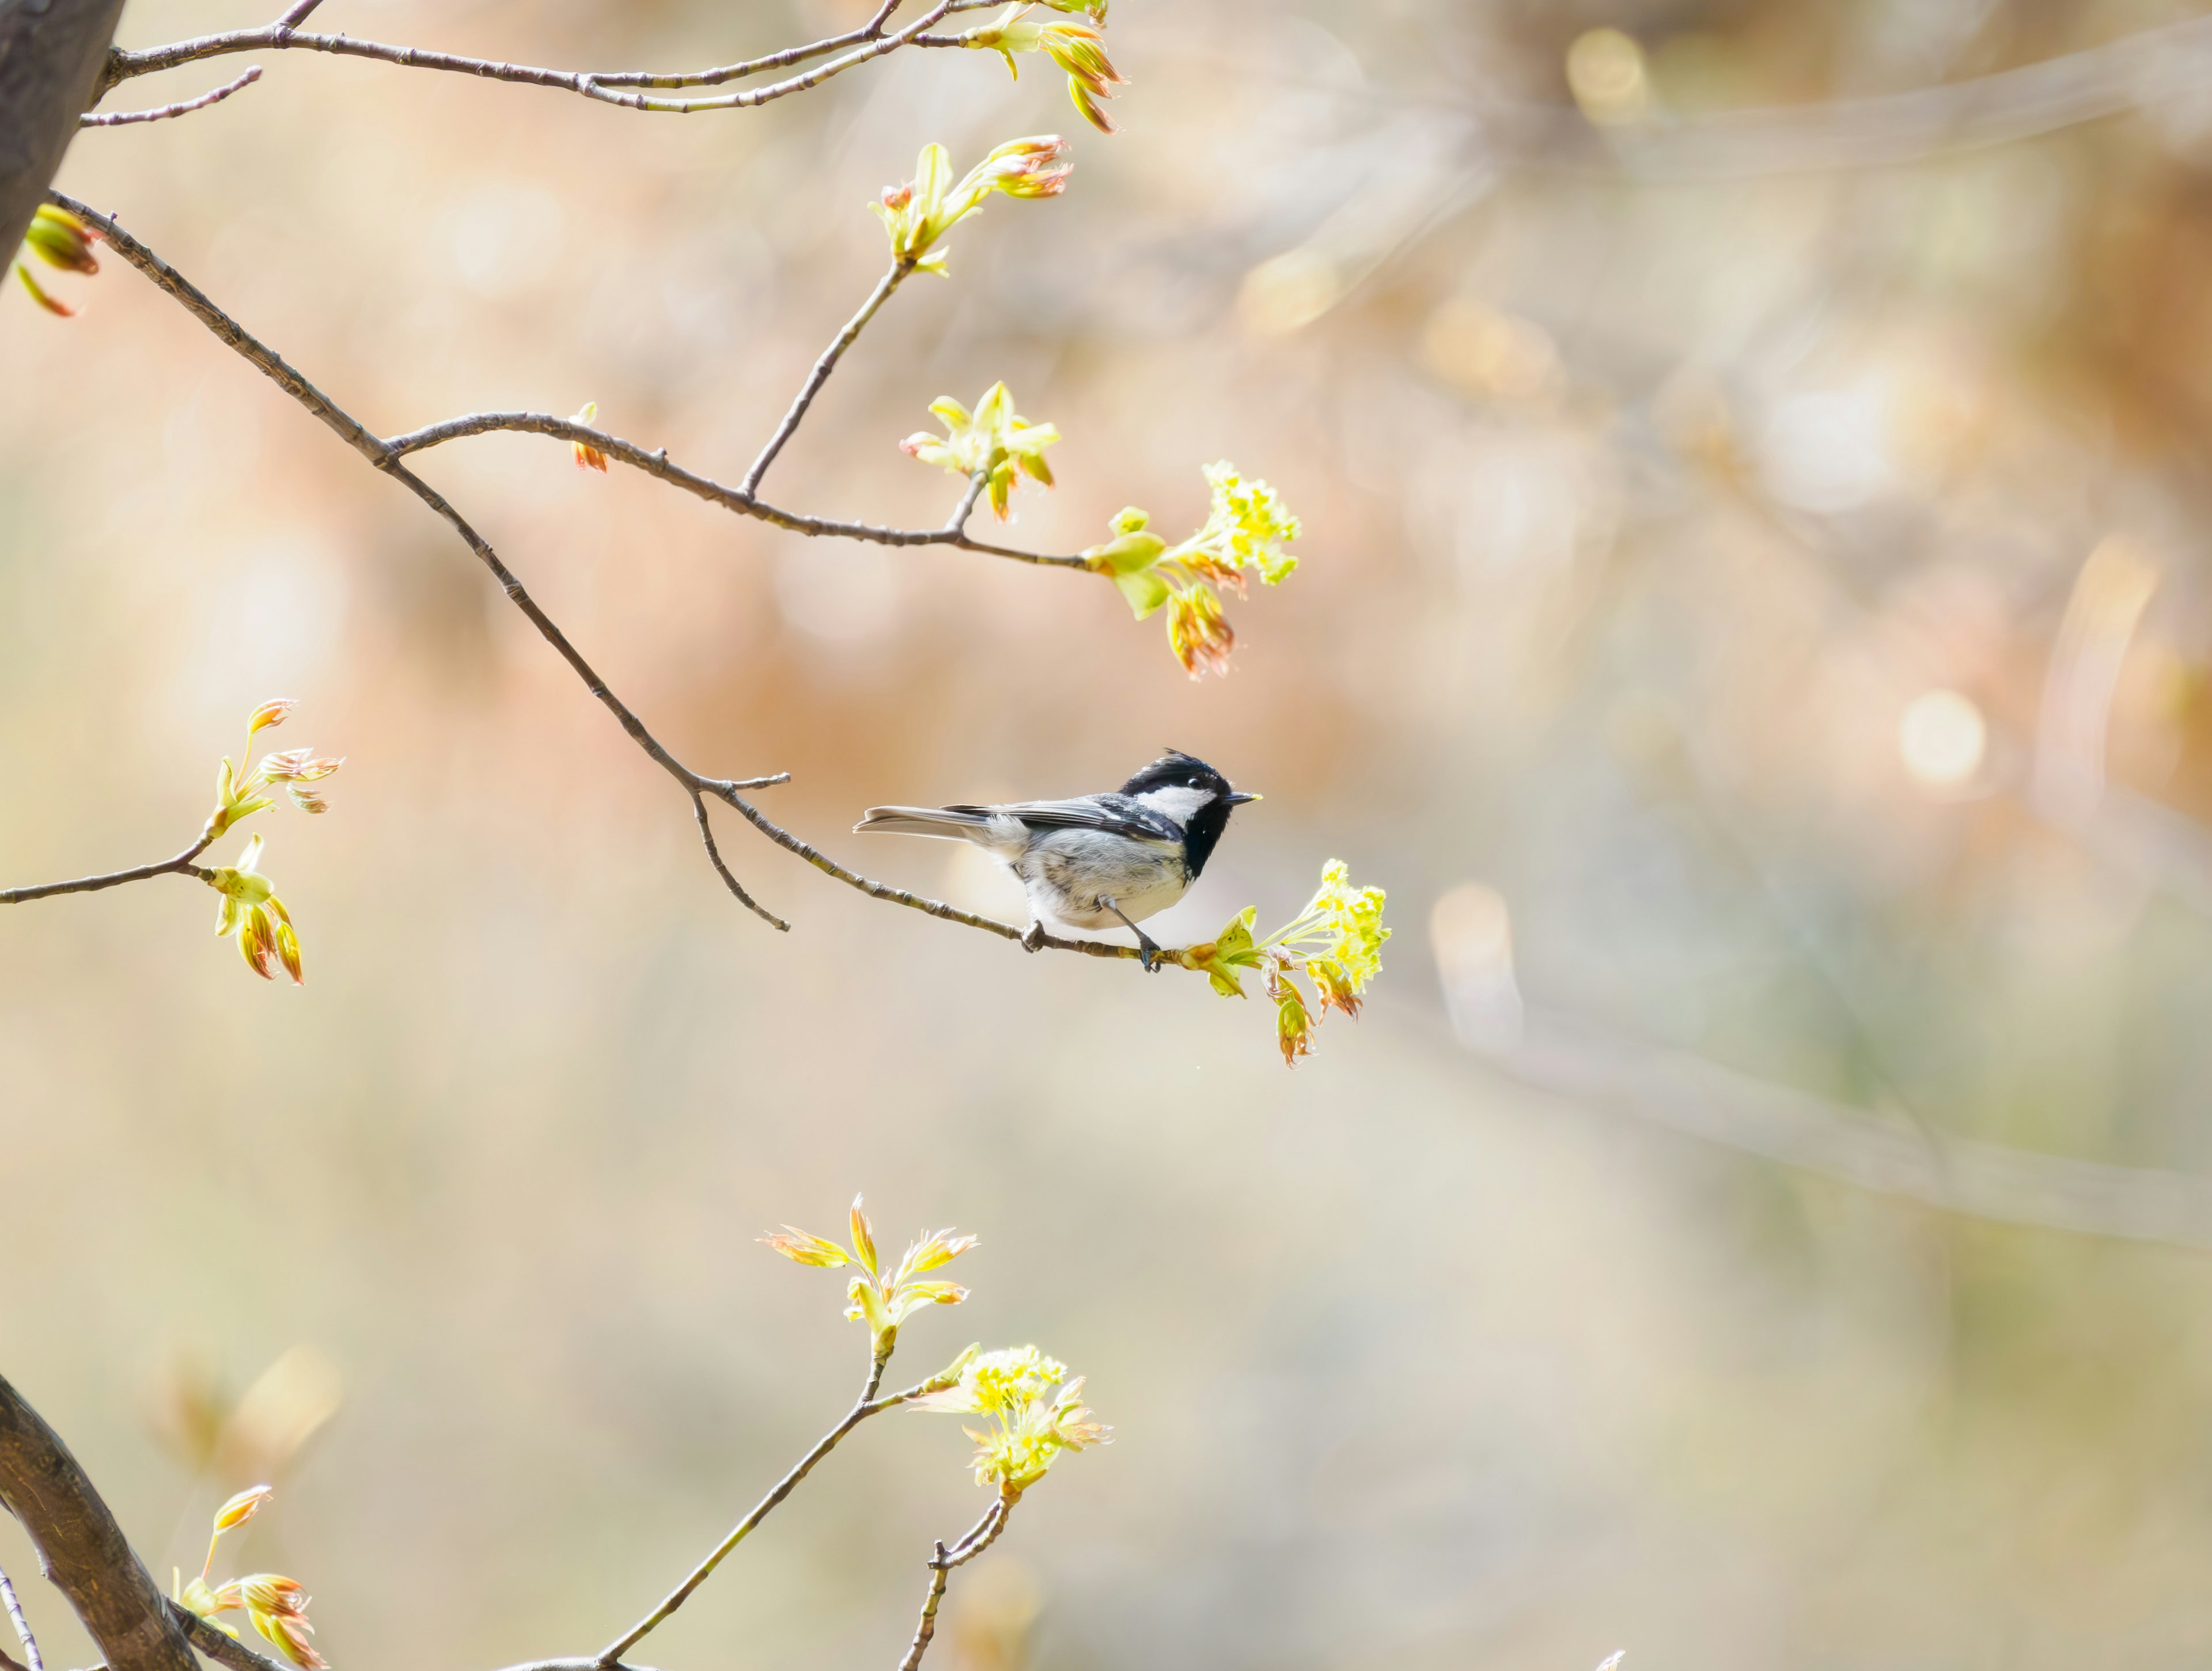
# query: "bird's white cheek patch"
1178,803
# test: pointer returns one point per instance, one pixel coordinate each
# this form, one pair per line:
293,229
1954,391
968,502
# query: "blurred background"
1753,621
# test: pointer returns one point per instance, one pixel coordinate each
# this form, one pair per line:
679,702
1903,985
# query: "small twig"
22,1624
294,18
180,866
823,367
927,1628
182,107
980,1537
864,1406
715,858
605,86
956,526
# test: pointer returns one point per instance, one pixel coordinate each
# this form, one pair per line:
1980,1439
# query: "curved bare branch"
386,458
608,87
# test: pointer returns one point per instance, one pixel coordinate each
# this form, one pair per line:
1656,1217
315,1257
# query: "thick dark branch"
51,52
182,107
656,463
81,1551
892,278
387,458
608,87
180,866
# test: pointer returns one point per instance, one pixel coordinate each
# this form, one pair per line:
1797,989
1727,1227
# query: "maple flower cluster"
61,240
1244,533
922,211
276,1605
1335,943
1032,1411
993,439
1078,49
251,912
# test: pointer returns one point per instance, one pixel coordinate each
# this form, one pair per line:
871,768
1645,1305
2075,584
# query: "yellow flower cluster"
922,211
1244,533
1076,48
1335,943
1032,1414
994,438
881,1299
275,1605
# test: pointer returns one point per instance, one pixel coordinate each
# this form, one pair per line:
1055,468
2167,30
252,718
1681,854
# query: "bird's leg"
1148,951
1033,940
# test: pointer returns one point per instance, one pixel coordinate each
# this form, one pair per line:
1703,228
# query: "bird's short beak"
1238,797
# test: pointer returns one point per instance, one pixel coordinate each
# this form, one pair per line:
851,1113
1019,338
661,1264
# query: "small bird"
1096,860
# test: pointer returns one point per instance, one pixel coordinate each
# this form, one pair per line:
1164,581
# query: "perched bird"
1097,860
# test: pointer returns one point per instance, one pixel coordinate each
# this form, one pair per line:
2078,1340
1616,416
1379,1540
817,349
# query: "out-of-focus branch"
182,107
180,866
51,53
22,1628
608,87
656,463
384,457
81,1551
868,1404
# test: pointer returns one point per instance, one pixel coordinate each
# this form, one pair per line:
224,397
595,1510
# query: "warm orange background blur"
1753,621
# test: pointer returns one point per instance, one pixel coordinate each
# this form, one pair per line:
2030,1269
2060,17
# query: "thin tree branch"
294,18
226,1650
895,275
830,867
864,1406
387,459
978,1537
22,1624
162,112
180,866
656,463
607,86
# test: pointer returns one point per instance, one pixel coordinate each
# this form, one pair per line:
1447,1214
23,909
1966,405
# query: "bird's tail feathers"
951,823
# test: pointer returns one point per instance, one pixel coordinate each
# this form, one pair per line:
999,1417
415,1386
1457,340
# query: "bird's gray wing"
1115,814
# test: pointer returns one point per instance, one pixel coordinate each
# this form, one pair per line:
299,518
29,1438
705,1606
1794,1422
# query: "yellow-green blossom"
994,438
1244,533
276,1605
1032,1412
60,239
1336,943
252,916
881,1299
922,211
1076,48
